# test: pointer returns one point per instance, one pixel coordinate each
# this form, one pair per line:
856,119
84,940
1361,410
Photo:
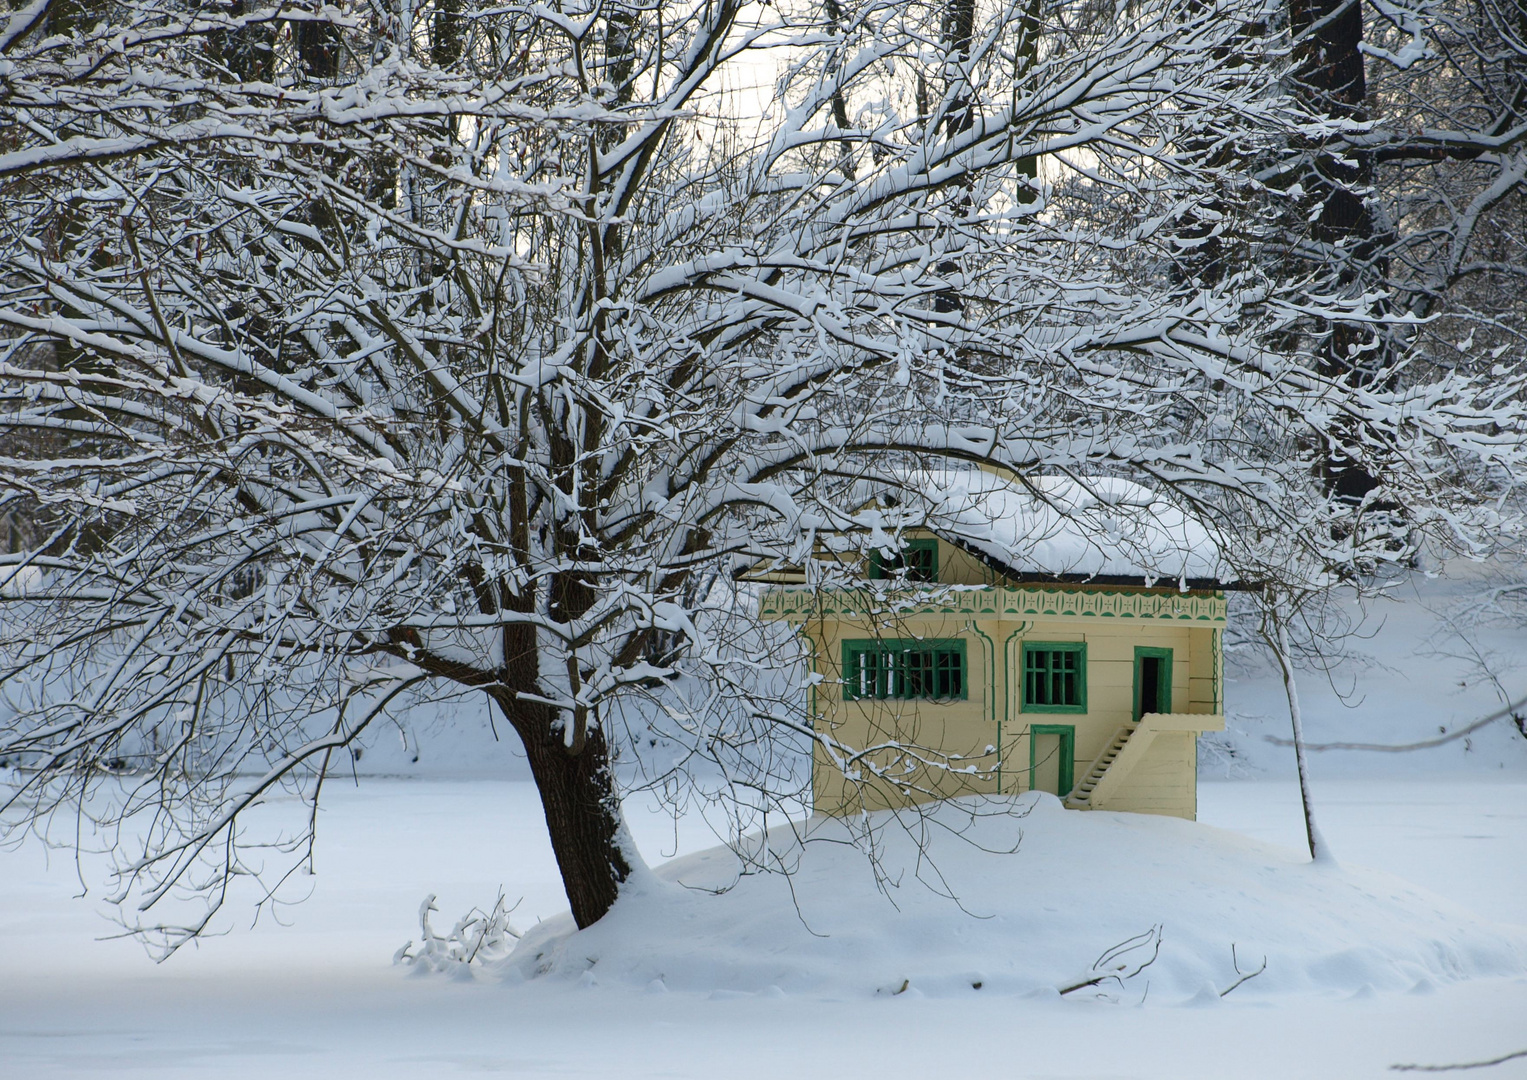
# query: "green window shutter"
916,674
949,674
904,670
1055,677
921,559
867,673
918,558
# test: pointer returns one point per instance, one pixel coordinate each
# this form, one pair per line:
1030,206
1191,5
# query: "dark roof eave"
1210,584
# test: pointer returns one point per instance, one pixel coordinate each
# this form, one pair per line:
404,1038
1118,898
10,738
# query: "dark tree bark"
447,44
1027,51
248,53
959,31
957,34
1330,79
66,17
834,12
572,774
446,40
318,49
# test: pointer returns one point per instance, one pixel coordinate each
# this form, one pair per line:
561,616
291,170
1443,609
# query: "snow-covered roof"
1101,528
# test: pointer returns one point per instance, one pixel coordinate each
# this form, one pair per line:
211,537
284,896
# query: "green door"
1052,758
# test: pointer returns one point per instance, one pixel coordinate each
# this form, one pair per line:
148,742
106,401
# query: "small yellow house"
1060,635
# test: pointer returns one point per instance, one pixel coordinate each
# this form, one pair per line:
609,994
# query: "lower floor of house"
1102,712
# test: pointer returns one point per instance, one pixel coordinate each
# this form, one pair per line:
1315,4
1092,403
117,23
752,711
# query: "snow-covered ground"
1419,664
1364,971
319,997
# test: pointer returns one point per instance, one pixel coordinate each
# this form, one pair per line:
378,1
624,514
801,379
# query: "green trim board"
1054,676
989,657
919,558
905,669
1010,686
1066,771
1164,677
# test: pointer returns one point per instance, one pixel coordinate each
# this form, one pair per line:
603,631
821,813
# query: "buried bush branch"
1122,962
1465,1065
476,938
1243,976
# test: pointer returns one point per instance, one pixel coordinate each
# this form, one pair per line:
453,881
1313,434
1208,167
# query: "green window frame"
1054,677
905,670
919,558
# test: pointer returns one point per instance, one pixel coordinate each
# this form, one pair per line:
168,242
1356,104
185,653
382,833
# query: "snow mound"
1043,894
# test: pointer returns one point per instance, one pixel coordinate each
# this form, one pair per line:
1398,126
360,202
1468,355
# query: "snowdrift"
1040,894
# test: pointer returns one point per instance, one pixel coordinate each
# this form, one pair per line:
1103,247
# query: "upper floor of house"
985,528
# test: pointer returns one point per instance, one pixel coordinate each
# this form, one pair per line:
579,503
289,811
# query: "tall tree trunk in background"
1206,255
1026,53
319,49
248,53
447,34
447,44
956,33
64,19
834,12
1330,80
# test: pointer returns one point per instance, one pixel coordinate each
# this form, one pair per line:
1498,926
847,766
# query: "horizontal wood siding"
929,748
1165,781
1203,673
958,567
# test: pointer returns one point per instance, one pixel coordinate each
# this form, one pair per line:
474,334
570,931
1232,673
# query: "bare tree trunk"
248,54
839,102
318,49
1027,55
447,34
582,810
571,768
1275,633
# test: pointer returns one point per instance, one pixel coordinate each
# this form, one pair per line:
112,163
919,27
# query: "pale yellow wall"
1110,692
1206,673
993,716
965,728
958,567
1110,676
1165,781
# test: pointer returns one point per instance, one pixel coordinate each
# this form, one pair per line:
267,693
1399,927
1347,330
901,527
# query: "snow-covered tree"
349,348
1414,181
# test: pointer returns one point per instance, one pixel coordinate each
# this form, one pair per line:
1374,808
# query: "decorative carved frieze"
1020,602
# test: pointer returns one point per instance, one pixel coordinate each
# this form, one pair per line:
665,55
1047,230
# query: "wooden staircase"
1081,796
1126,750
